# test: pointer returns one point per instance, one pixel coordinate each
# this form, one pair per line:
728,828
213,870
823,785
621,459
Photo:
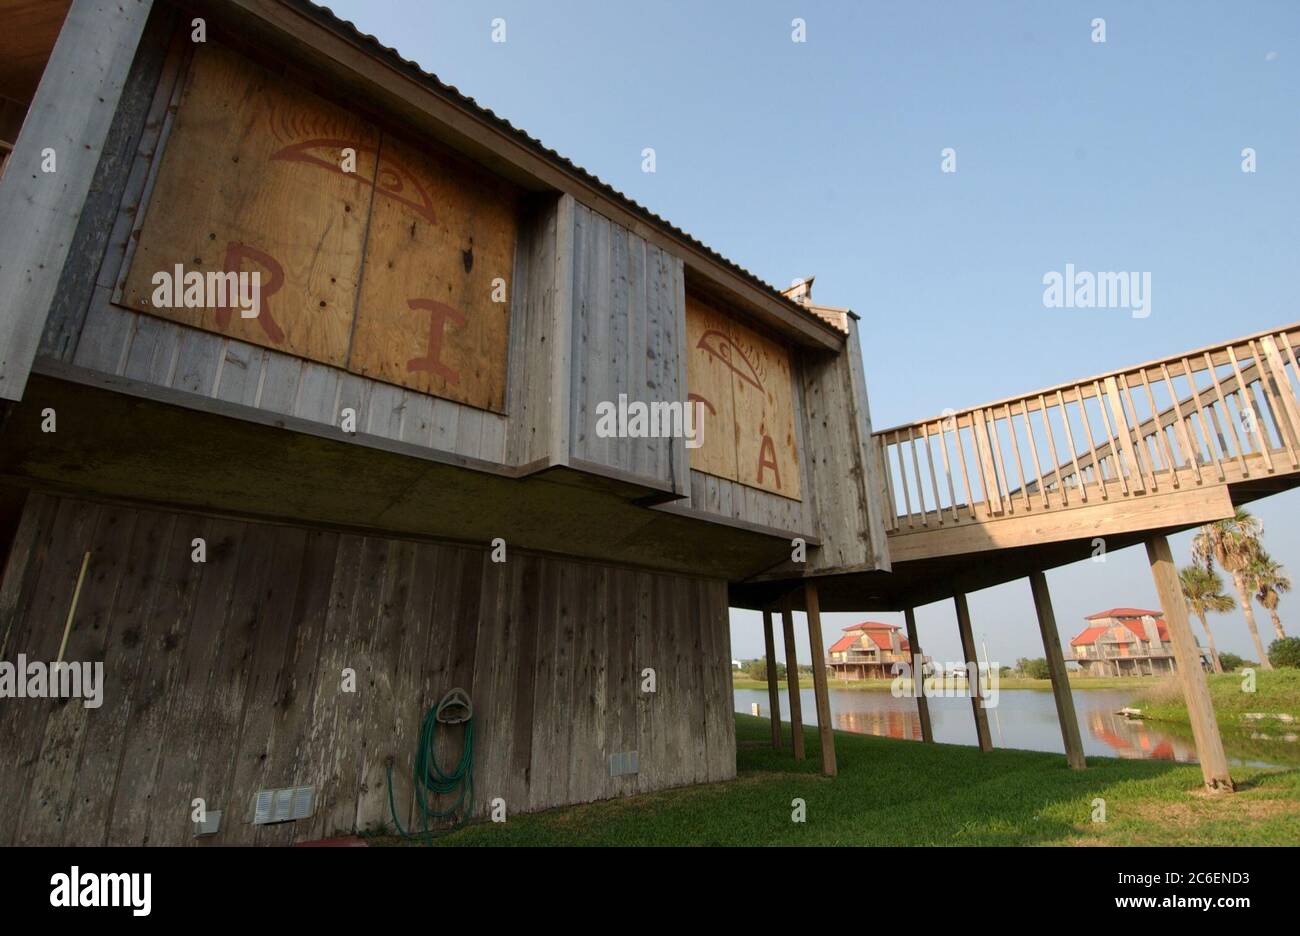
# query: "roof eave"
334,49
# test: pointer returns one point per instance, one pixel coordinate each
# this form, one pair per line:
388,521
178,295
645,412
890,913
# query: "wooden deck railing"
1217,415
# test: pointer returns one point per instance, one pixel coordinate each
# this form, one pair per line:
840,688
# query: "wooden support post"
976,691
1056,669
1205,728
918,675
73,110
773,694
820,690
792,678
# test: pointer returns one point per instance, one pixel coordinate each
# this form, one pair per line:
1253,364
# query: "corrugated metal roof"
331,20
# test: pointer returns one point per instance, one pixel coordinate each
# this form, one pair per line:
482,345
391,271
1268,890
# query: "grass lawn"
892,792
1276,692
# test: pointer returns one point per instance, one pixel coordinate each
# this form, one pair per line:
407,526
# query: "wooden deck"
996,492
1162,445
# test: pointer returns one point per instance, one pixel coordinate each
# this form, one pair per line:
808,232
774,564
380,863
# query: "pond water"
1025,719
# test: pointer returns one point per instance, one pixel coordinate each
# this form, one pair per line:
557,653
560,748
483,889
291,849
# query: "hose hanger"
455,707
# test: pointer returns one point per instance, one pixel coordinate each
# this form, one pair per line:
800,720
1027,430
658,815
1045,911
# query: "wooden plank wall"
224,678
214,367
628,338
538,385
837,426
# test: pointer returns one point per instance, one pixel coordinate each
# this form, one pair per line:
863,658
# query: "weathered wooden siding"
540,329
224,677
628,337
225,370
845,474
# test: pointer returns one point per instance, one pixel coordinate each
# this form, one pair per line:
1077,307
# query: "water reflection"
1023,719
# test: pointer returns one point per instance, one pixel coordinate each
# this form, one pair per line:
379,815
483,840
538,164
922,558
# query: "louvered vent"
284,805
623,763
211,824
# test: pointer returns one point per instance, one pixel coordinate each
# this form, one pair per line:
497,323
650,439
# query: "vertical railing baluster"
1286,415
965,474
1145,468
1160,431
1116,457
947,469
920,482
934,477
1218,390
1000,465
889,482
1056,457
1033,448
1069,440
1092,445
902,475
1200,414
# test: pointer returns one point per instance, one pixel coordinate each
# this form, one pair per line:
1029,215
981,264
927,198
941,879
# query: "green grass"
892,792
1042,685
1276,692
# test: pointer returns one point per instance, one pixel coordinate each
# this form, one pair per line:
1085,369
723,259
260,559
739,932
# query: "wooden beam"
792,677
1205,728
820,690
773,694
71,115
1168,509
918,676
1056,669
968,651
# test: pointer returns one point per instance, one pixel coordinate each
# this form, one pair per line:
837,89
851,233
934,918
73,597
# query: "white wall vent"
210,825
623,763
284,805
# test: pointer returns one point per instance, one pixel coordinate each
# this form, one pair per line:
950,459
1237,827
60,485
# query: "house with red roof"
868,650
1125,642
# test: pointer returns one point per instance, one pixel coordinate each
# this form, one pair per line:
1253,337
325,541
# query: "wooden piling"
1056,670
792,677
976,691
918,675
812,609
1205,728
773,693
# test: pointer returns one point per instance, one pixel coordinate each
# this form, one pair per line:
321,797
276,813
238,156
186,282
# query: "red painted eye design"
720,346
395,181
327,153
696,398
392,179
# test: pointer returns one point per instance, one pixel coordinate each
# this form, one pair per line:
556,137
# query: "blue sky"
823,158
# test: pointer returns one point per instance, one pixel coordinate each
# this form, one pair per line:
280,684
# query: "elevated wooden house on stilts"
325,390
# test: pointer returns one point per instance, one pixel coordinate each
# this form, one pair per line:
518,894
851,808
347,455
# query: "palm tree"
1270,582
1203,592
1234,545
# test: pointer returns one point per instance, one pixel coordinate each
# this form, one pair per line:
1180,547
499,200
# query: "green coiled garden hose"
430,780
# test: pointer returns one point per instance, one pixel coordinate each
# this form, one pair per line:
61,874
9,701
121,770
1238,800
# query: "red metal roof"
1124,613
872,625
879,632
1090,634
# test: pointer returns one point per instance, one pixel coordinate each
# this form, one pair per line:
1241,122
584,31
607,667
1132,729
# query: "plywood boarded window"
744,380
384,265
